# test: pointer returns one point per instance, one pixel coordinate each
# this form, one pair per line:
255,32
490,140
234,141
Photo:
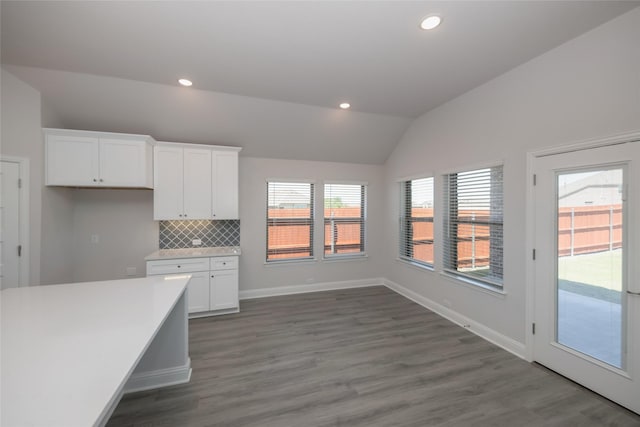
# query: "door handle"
633,293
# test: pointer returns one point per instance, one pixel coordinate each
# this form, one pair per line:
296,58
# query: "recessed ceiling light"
345,105
185,82
430,22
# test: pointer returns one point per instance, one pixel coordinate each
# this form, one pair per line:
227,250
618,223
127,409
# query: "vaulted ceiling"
269,75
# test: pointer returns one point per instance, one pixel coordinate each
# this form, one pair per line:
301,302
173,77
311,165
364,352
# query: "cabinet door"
224,289
168,183
72,160
225,185
197,184
122,163
198,290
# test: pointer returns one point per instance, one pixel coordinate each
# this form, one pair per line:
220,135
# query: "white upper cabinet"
195,182
225,185
168,182
72,160
98,159
125,163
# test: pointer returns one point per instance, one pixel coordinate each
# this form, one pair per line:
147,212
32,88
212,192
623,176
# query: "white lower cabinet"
198,292
213,288
223,289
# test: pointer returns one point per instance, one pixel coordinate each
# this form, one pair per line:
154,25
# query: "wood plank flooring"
358,357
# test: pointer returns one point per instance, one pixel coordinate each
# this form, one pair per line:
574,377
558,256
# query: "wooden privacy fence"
290,231
581,230
587,229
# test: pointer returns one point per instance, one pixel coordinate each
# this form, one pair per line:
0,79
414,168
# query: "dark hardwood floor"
360,357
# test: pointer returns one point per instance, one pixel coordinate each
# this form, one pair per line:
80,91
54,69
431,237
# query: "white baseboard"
509,344
214,313
312,287
160,378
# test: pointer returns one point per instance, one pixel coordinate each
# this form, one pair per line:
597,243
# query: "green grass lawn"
597,270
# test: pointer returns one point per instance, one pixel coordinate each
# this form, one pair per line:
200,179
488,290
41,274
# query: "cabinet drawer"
173,266
224,263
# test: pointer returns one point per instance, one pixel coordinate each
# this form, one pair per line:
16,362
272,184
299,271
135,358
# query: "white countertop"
67,350
193,253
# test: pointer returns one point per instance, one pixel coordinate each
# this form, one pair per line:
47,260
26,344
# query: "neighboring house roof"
593,189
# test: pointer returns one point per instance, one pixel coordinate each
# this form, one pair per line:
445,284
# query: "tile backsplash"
180,234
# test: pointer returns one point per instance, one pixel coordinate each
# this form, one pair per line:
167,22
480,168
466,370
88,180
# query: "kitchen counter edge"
193,253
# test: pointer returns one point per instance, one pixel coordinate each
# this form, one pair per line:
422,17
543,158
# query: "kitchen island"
70,351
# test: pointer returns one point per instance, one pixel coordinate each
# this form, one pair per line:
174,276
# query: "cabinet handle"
179,266
101,180
224,263
213,276
180,215
95,180
185,215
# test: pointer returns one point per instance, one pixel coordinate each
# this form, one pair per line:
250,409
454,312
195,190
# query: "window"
289,221
473,225
416,221
344,219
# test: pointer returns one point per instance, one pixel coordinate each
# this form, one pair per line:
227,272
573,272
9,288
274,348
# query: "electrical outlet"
132,271
196,242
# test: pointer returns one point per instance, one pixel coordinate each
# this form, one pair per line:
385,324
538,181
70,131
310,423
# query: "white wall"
123,222
23,116
586,88
56,265
127,233
21,136
254,274
263,127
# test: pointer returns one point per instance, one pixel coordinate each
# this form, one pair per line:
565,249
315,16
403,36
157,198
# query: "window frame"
405,219
494,283
310,221
363,221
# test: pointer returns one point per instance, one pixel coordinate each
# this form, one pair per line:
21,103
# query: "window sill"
474,284
288,262
415,265
345,258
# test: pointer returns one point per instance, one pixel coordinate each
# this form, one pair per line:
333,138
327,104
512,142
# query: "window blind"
290,213
416,221
344,219
473,238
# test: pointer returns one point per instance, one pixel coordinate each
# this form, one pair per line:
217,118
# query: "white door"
224,289
167,180
198,292
225,185
122,163
197,184
10,249
72,160
587,307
